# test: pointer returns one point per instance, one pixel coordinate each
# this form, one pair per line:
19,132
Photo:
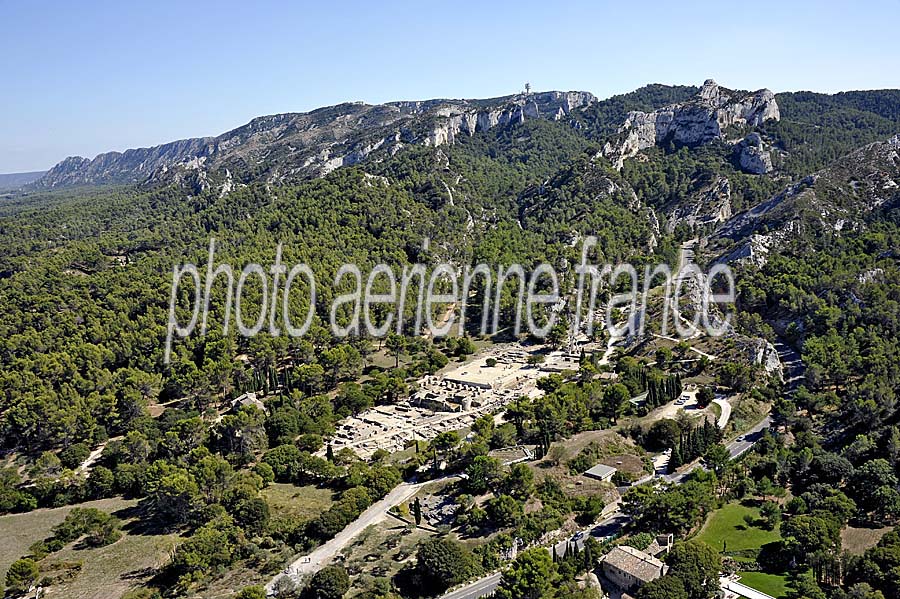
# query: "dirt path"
92,458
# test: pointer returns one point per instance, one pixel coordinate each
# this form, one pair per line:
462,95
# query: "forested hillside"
86,272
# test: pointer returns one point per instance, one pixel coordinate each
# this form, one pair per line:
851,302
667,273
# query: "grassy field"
306,502
20,531
110,571
727,524
771,584
107,571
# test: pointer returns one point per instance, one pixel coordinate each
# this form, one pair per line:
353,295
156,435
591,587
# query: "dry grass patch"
628,463
106,571
20,531
110,571
857,540
611,442
307,502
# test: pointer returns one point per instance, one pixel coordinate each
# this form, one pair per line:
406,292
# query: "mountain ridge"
298,145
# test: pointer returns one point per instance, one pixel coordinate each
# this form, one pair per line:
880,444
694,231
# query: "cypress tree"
417,511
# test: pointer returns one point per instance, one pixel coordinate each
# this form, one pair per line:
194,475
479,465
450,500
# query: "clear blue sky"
80,78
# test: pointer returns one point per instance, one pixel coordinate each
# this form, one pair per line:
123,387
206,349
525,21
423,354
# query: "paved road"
735,449
738,448
480,588
320,557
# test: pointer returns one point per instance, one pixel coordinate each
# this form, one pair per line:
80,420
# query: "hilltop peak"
694,122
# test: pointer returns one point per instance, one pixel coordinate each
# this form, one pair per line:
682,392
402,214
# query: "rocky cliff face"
707,203
298,145
698,121
456,119
752,155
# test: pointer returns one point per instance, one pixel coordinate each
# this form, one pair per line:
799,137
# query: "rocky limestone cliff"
763,353
455,119
752,155
698,121
707,203
293,146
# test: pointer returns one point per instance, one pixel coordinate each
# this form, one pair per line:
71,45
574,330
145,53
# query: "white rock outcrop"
709,204
753,156
697,121
460,119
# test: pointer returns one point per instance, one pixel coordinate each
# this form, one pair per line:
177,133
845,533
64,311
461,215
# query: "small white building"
601,472
732,589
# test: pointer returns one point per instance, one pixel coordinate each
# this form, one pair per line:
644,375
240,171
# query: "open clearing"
305,502
20,531
772,584
380,551
110,571
727,525
857,540
107,571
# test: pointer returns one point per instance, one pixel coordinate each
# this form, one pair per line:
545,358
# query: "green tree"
697,566
22,574
771,514
442,563
483,474
519,482
254,592
532,575
331,582
717,458
666,587
417,511
504,510
396,344
72,456
614,398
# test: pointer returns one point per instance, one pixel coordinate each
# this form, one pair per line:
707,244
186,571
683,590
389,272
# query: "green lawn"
770,584
727,524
